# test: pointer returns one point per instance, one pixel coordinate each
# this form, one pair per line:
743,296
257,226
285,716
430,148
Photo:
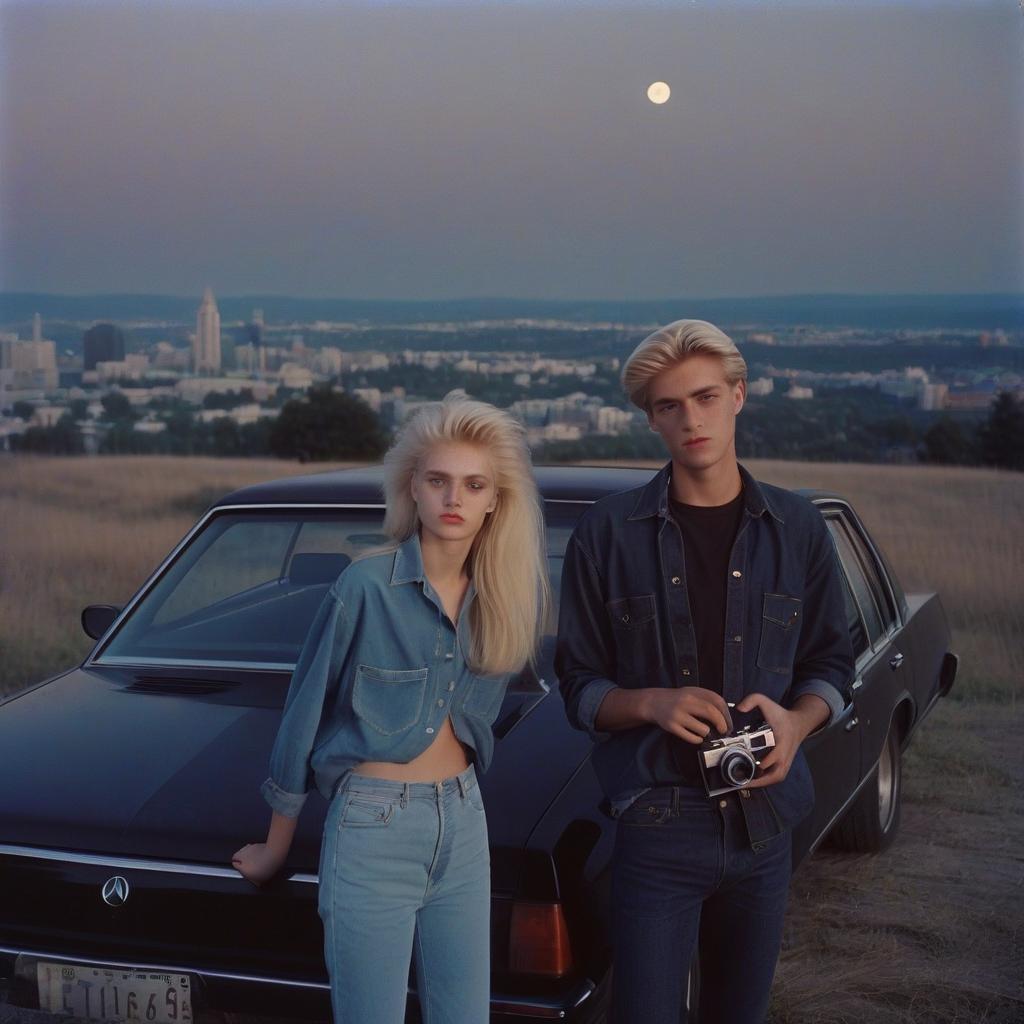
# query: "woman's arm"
259,862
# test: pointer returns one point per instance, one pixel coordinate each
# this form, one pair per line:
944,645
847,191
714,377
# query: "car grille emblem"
115,891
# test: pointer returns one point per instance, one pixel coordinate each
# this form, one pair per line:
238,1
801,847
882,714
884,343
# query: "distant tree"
117,407
945,442
23,410
327,424
228,400
1001,436
63,438
254,438
225,437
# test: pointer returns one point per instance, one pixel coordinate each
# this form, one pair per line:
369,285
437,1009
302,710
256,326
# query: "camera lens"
738,767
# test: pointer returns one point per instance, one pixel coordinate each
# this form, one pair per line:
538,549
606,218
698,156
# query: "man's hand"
690,712
791,728
257,862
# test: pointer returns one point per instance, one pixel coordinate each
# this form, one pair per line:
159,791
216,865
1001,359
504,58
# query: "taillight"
538,940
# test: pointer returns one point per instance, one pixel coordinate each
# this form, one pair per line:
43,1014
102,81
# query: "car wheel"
871,823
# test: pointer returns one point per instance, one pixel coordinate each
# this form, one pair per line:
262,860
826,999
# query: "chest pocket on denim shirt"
389,700
634,623
485,696
780,631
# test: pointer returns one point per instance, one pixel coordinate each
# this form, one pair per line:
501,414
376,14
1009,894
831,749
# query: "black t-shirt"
708,536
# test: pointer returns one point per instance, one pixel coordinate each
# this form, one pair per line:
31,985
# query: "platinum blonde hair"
670,345
507,561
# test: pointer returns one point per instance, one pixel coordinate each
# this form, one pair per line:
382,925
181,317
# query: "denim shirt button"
449,656
451,686
440,703
429,730
737,573
676,580
737,638
686,671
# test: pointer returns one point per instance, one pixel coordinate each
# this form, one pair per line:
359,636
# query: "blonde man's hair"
508,561
670,345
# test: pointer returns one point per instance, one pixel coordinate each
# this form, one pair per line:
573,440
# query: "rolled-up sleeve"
824,664
584,660
314,680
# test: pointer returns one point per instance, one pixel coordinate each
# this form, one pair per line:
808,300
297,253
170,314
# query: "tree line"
325,424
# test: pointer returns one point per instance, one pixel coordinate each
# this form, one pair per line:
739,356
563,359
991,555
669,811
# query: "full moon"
658,92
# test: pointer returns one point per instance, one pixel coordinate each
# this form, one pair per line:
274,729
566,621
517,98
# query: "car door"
882,669
834,753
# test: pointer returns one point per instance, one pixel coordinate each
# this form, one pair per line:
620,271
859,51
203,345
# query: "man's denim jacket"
625,621
381,669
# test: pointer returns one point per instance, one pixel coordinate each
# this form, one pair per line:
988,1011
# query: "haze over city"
435,151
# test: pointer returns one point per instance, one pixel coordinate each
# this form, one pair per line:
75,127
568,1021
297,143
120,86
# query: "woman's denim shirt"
381,669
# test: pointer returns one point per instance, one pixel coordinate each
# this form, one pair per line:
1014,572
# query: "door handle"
851,725
896,660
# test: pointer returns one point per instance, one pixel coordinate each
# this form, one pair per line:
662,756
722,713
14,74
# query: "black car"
130,779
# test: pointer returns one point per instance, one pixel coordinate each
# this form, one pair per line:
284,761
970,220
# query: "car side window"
858,634
873,576
857,579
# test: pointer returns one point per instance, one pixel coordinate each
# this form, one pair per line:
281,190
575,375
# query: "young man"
701,602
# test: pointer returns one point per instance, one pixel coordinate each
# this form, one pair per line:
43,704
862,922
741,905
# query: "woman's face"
454,490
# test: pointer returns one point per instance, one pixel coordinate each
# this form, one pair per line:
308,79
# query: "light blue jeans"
405,872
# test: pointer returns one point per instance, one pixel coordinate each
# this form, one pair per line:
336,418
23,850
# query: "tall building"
206,345
29,365
102,343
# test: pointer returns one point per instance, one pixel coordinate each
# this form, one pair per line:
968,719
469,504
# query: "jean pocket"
475,798
647,811
388,700
780,632
365,811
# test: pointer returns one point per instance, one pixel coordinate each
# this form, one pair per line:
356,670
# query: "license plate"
98,993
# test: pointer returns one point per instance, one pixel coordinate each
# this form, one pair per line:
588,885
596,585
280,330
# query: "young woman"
389,713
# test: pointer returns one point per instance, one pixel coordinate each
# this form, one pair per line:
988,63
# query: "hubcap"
886,786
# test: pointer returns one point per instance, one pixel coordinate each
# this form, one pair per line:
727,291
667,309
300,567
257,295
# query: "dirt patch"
931,931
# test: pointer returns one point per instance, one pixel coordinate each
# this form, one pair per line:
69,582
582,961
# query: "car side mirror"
98,618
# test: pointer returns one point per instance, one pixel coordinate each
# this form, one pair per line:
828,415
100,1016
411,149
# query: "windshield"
245,589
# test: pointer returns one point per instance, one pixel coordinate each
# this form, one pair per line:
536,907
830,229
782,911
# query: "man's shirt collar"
653,499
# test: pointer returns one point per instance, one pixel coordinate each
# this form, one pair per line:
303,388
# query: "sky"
418,150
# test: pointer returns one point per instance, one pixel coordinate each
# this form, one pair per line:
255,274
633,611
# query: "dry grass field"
929,932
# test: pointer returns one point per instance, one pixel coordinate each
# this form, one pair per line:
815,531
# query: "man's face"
693,408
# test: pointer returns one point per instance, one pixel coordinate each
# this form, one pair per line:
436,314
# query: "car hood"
169,765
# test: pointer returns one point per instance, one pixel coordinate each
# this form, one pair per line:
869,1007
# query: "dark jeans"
684,869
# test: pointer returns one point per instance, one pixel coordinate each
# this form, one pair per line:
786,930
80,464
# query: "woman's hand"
257,862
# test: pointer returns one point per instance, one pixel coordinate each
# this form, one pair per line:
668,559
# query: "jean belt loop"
675,801
462,786
404,799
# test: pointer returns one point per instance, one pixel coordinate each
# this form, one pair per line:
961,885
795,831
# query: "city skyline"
437,151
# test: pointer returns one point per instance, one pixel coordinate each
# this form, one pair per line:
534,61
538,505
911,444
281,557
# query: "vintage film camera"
731,761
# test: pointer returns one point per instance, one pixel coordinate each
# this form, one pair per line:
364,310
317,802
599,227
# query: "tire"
871,823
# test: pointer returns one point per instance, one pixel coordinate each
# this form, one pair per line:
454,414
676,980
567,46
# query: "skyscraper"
102,343
206,346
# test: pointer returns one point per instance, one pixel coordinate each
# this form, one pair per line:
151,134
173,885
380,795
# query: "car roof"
362,486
